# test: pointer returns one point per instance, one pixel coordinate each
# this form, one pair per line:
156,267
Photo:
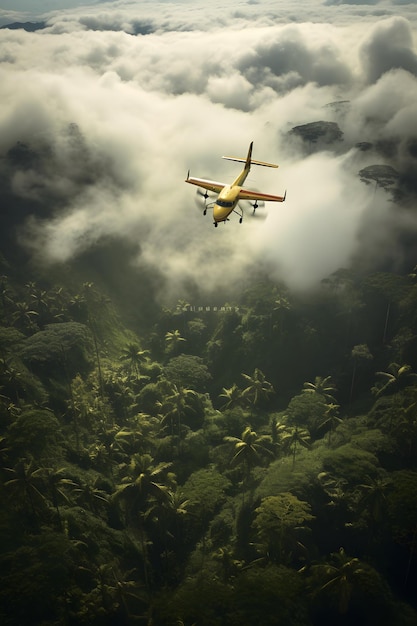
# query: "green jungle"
248,462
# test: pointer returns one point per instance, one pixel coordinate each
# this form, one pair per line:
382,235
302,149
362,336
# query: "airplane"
229,195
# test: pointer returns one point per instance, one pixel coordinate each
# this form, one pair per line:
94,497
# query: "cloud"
304,52
109,122
390,46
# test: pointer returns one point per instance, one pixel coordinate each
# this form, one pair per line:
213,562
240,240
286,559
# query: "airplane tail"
249,161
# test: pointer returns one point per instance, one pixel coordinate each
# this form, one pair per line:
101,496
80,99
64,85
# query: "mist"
112,104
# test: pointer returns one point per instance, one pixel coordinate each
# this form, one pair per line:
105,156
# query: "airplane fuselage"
226,203
228,198
229,195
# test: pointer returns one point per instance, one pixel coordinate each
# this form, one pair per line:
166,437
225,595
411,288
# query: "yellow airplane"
229,195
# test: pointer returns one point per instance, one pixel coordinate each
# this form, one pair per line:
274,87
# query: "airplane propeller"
255,209
202,195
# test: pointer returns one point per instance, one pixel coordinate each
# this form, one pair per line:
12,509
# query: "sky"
118,100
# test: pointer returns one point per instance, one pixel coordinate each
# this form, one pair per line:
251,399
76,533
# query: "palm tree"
182,305
323,387
134,357
24,317
173,340
58,483
40,302
176,405
279,434
406,428
331,418
170,509
24,486
282,305
233,397
166,516
11,378
372,499
249,450
341,578
138,435
258,388
230,566
294,437
58,302
88,494
144,480
396,377
114,590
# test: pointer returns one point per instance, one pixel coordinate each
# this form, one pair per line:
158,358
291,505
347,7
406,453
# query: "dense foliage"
255,464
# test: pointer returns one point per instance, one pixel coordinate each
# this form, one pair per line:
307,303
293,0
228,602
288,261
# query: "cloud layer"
109,121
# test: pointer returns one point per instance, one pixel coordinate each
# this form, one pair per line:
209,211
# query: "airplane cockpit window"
224,203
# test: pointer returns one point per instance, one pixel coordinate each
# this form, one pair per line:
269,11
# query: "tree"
343,580
323,387
133,356
331,418
24,318
173,340
258,388
229,565
278,522
306,410
233,397
36,434
405,431
89,494
249,450
144,480
294,437
383,292
373,501
41,304
176,405
58,484
167,517
114,593
282,305
26,487
272,596
138,435
59,351
205,489
402,515
397,377
350,462
19,384
38,579
187,370
360,355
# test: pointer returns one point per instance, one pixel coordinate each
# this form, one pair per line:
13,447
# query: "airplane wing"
247,194
205,183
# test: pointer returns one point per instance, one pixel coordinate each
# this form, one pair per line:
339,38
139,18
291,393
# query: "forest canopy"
253,463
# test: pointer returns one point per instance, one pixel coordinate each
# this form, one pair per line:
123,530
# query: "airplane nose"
219,213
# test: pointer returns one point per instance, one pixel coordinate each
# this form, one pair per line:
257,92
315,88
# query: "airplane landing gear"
240,213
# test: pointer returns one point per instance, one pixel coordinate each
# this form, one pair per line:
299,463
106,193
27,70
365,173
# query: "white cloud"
202,84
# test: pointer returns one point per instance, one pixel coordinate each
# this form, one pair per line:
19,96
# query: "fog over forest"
114,102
